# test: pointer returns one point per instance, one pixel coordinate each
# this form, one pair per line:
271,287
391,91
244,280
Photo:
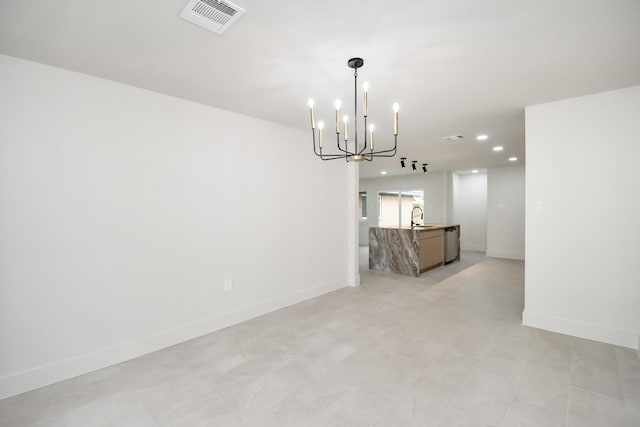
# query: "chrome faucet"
412,216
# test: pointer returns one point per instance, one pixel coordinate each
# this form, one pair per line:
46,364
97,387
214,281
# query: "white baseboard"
44,375
355,281
507,255
579,329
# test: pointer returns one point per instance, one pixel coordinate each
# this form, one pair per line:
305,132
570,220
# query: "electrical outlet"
228,284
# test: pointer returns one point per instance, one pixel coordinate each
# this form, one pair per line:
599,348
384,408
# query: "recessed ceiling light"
383,173
474,171
482,137
513,159
498,148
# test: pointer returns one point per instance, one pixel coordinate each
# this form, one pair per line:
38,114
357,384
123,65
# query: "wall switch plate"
538,206
228,284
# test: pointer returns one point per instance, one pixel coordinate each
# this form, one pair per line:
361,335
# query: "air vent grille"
214,15
222,7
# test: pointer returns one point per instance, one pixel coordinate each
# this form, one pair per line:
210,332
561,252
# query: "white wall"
582,274
505,212
433,184
469,194
124,210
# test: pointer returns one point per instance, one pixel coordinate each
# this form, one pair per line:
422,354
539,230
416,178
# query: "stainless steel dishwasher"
450,244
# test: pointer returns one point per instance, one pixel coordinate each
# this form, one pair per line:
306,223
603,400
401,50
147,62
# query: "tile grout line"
453,399
569,395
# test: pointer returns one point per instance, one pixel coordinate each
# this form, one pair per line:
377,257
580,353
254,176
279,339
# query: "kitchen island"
411,250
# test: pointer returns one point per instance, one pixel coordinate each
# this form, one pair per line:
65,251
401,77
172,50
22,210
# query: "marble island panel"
409,250
394,250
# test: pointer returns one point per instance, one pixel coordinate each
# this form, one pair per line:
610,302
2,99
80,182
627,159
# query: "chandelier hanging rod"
367,152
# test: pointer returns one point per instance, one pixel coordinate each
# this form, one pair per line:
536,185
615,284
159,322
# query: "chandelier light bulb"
371,128
320,126
313,119
338,104
345,120
365,108
396,107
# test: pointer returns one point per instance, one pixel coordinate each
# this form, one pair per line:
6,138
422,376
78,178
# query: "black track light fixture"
414,165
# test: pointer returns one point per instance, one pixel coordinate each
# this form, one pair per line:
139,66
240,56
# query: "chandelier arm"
381,153
313,133
363,151
331,156
320,154
334,156
365,137
385,153
337,155
327,157
367,156
344,151
346,148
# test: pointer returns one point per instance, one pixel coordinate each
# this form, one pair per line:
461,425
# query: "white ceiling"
457,66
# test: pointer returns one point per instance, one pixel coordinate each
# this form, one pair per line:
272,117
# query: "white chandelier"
351,151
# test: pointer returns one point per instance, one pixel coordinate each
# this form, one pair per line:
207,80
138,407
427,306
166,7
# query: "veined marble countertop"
418,227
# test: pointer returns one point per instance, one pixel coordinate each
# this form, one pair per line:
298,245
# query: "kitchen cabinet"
430,249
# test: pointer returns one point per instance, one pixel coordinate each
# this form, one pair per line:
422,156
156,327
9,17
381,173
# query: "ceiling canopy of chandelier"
349,149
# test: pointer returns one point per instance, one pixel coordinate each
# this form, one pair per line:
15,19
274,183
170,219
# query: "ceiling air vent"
457,137
213,15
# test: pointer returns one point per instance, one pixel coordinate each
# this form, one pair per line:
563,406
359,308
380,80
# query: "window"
362,205
395,207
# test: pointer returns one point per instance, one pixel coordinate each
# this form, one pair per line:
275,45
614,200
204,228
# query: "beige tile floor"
444,349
